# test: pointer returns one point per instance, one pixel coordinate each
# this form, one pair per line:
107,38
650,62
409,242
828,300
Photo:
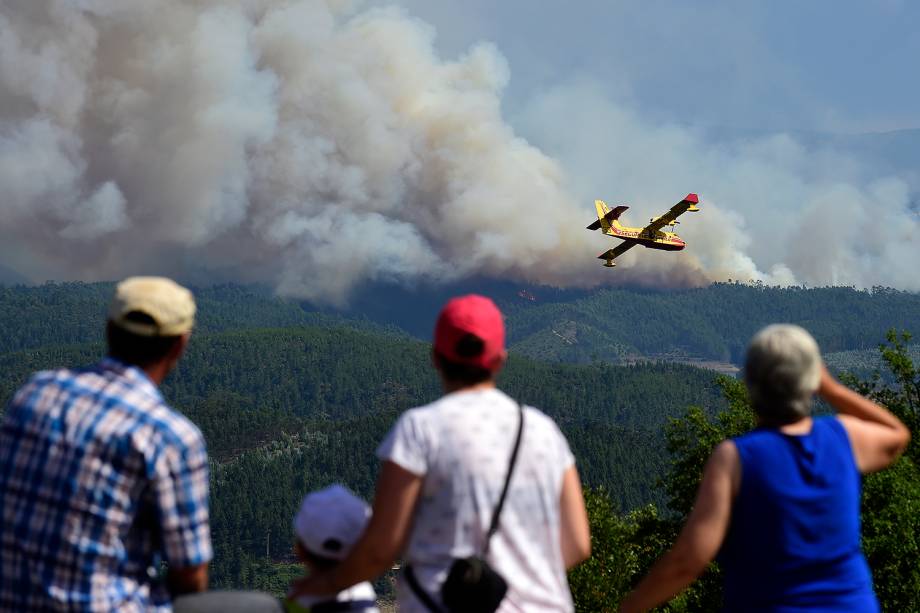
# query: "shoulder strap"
411,579
493,527
419,591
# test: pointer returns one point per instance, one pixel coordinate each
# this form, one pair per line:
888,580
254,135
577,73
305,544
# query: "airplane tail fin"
605,216
602,211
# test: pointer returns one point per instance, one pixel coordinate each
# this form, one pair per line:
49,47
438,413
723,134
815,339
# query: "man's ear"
179,348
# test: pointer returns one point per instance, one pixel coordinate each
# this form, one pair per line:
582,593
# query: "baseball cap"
330,521
152,306
467,318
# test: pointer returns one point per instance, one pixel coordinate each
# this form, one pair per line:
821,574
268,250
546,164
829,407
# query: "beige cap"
170,306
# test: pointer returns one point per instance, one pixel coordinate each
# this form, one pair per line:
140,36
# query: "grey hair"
782,371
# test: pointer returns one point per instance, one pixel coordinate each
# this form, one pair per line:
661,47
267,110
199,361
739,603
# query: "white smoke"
316,145
773,210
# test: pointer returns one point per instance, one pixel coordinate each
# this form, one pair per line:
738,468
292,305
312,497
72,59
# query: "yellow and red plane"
650,236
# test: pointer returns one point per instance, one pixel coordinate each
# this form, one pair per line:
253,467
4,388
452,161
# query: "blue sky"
845,66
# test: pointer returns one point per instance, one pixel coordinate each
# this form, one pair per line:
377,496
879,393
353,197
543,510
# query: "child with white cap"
329,522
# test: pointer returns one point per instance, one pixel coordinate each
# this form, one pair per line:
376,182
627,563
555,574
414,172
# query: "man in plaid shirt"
100,480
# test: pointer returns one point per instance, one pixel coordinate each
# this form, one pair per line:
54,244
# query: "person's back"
444,468
794,538
76,449
100,481
462,444
780,505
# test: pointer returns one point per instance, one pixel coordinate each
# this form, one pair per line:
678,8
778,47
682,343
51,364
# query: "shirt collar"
133,373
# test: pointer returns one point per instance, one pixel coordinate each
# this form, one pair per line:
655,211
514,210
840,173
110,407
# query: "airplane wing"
617,251
687,204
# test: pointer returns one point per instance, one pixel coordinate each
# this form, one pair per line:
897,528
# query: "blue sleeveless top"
793,543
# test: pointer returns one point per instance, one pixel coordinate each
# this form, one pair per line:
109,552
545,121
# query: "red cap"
470,315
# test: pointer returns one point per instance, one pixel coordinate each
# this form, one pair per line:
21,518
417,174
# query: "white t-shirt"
360,593
461,444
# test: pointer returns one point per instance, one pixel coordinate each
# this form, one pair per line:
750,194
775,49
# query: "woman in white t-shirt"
444,467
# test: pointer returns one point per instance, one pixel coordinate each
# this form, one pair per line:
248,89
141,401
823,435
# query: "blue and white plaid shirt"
99,480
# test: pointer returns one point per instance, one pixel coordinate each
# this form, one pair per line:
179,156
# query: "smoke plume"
318,145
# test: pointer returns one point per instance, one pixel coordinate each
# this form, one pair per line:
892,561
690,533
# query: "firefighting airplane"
650,236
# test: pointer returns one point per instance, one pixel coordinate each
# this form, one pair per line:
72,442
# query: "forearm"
667,578
188,580
573,555
383,539
361,566
847,402
574,529
700,538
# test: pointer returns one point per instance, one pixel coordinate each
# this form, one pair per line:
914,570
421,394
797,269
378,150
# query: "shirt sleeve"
407,445
564,454
180,486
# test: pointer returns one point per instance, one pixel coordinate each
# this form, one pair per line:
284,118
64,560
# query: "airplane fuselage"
666,241
652,236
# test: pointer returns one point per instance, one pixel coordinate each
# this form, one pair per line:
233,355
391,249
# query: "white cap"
330,521
166,308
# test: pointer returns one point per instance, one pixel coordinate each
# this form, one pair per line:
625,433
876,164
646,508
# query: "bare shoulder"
725,463
725,453
855,427
848,421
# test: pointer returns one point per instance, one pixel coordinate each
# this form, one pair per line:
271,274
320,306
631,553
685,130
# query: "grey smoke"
318,145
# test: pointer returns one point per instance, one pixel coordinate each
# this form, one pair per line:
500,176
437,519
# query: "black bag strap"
414,585
493,527
419,591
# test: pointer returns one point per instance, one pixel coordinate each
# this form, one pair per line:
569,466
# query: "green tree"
603,579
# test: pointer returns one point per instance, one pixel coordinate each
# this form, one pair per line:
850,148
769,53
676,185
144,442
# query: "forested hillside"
864,363
69,313
291,399
611,325
289,409
246,388
338,372
714,322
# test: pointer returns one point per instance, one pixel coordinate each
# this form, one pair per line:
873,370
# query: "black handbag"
472,585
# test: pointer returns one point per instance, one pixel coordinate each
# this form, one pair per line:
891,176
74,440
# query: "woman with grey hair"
782,502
